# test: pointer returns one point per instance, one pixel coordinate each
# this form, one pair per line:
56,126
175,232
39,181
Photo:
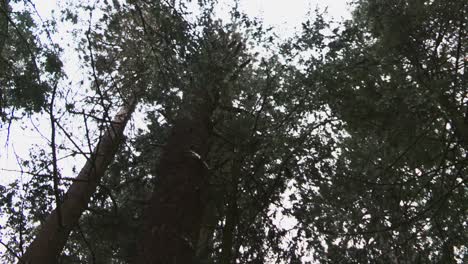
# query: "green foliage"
24,80
354,131
396,190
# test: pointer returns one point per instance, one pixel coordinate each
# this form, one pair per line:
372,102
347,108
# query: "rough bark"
174,217
208,226
231,215
52,237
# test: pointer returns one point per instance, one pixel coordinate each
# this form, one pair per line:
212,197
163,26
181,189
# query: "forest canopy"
163,132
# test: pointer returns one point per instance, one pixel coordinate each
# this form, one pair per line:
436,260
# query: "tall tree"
54,232
173,219
344,144
394,74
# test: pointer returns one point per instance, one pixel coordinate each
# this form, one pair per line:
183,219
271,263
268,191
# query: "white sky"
290,13
285,14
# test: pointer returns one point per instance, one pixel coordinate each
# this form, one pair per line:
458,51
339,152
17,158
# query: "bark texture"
52,237
231,218
174,217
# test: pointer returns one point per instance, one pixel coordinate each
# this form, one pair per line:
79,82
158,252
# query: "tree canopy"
346,143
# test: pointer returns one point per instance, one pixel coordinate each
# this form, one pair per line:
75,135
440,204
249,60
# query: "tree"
54,232
353,132
28,67
177,204
396,193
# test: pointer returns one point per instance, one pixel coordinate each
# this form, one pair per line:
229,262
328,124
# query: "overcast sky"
291,13
286,14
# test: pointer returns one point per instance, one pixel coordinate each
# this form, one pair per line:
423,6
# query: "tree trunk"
208,226
231,215
52,237
174,217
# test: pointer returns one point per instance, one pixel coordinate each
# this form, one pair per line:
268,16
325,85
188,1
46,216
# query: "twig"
11,252
91,250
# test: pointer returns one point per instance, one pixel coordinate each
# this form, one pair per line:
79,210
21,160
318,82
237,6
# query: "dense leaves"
28,67
395,76
344,144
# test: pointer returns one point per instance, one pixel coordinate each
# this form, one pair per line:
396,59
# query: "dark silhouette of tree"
346,143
